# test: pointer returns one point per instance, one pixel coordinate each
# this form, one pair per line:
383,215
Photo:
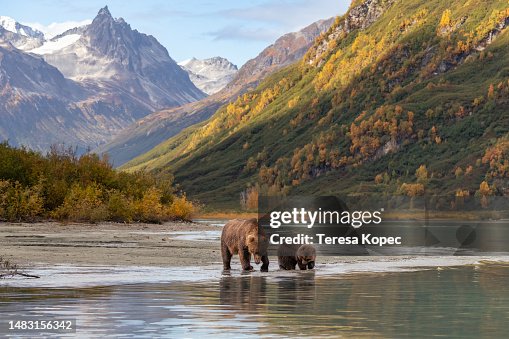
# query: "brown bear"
290,256
244,238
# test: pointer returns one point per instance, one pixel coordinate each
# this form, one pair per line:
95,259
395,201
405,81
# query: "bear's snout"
257,259
311,265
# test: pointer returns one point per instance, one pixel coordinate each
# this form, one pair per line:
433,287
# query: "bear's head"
306,254
257,246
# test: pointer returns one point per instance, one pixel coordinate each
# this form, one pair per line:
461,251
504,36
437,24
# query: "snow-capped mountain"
157,127
210,75
84,85
60,41
31,40
112,53
54,45
18,35
13,26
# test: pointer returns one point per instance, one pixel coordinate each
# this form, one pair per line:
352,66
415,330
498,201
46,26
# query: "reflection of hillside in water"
461,301
455,301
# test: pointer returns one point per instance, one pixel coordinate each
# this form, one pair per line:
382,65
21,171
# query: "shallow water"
212,221
196,235
466,301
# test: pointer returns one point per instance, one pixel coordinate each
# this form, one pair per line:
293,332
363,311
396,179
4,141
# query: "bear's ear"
251,238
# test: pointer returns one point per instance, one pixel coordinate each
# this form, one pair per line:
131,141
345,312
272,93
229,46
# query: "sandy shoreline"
114,244
106,244
173,244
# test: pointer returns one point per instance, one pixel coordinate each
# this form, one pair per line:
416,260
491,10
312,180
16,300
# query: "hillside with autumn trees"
398,97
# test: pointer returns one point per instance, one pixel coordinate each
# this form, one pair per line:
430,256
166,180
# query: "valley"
396,98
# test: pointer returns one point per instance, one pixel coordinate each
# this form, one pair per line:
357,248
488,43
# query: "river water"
391,297
396,300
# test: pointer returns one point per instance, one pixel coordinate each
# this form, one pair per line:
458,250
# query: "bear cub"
290,256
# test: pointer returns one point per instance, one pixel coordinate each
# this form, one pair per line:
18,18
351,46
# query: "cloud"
241,33
161,12
290,15
56,28
271,19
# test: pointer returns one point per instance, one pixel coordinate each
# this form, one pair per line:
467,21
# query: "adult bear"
244,237
290,256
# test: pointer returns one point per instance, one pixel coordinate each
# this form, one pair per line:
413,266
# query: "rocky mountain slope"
86,87
284,51
399,97
210,75
36,102
113,54
148,132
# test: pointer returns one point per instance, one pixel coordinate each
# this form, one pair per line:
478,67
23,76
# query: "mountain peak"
112,37
12,25
104,11
210,75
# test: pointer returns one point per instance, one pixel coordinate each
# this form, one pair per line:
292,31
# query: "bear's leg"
302,266
265,264
287,263
244,256
227,257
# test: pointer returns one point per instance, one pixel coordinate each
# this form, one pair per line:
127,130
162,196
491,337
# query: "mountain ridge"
12,25
157,127
18,35
397,97
113,75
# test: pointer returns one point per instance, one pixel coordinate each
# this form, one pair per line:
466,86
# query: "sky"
235,29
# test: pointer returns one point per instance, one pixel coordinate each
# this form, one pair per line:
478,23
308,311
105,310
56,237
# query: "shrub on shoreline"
65,187
18,202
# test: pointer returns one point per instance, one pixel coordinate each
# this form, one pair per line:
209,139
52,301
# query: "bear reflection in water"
258,293
248,293
297,289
